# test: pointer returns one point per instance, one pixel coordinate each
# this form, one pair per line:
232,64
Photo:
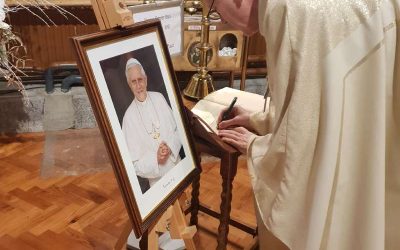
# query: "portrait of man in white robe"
149,128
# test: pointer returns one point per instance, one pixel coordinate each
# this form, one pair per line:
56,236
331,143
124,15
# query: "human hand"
238,117
163,153
238,137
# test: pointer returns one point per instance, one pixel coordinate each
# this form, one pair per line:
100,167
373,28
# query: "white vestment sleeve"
147,166
172,139
144,161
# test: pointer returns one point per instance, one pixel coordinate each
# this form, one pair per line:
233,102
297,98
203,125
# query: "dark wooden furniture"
211,144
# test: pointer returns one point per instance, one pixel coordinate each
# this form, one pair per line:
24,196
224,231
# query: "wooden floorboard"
87,211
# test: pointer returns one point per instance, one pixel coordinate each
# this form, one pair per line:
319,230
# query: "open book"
211,106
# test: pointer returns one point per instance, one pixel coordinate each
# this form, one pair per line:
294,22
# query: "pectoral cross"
154,132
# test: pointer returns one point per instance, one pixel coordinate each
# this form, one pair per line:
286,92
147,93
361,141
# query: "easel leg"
153,239
179,229
149,240
121,243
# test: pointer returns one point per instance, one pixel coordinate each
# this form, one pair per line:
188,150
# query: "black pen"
227,113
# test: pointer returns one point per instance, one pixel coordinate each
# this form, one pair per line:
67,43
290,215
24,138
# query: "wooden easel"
174,221
111,14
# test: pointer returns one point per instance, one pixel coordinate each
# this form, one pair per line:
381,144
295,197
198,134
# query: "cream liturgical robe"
326,164
145,125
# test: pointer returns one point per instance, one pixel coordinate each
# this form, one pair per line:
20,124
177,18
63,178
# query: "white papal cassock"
145,125
325,167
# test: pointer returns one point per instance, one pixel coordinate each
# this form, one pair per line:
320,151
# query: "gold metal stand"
201,83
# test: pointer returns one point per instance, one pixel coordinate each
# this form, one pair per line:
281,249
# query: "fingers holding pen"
238,117
221,114
228,123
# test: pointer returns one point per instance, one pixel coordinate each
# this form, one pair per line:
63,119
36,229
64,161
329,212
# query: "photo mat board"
134,94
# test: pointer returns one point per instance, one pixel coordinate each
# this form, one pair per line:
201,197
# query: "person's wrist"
247,121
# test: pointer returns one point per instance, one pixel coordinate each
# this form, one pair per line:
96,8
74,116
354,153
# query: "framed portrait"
135,96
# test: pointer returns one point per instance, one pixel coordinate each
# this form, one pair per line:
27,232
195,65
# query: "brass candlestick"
201,83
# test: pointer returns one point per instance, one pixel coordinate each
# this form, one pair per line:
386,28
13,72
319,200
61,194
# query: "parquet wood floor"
87,211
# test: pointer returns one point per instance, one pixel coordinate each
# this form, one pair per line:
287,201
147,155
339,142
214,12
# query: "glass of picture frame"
131,84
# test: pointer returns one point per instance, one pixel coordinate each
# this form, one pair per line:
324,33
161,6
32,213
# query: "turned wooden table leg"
195,201
228,172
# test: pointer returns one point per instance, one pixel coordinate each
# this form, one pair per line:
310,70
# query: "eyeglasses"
137,81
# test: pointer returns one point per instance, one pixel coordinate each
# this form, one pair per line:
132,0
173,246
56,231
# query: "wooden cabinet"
221,35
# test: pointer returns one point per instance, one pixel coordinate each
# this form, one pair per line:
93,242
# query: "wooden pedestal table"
211,144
